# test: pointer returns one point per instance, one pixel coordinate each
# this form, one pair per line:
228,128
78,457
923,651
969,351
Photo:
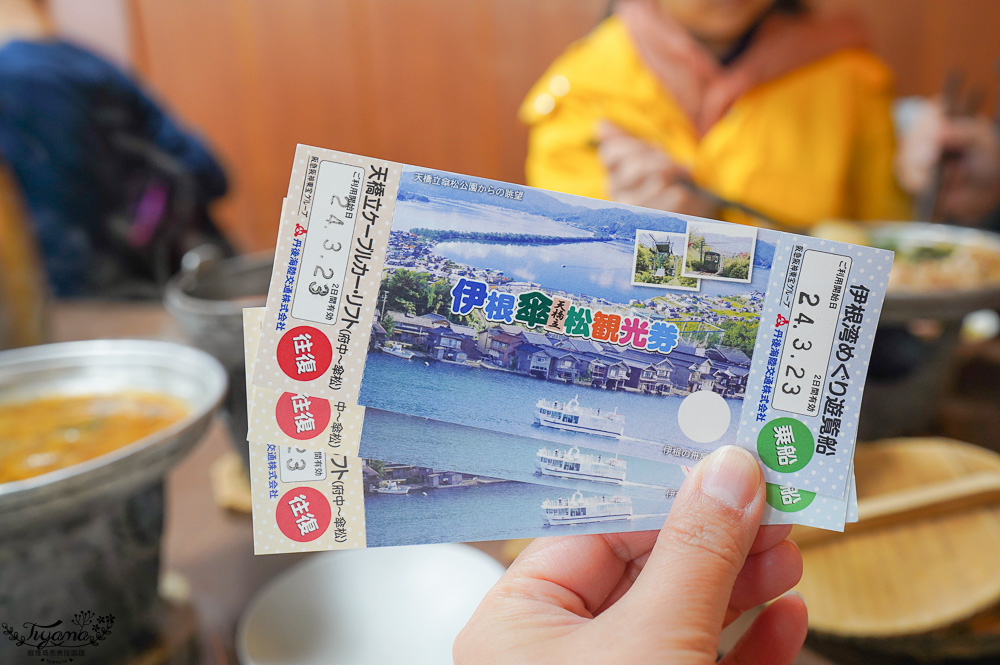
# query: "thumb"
684,588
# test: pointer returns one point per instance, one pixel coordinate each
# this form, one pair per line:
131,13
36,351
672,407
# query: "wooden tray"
924,558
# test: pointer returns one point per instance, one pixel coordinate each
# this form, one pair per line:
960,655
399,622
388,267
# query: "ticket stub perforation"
812,362
326,274
813,322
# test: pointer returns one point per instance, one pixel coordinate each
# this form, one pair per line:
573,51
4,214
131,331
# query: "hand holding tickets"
444,358
652,597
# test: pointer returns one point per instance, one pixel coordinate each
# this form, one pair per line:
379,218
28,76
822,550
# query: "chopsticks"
722,202
953,105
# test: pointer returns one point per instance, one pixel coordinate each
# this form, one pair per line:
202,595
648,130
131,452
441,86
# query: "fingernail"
731,476
798,595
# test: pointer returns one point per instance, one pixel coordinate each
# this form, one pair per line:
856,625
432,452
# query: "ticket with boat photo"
411,440
317,498
566,320
343,500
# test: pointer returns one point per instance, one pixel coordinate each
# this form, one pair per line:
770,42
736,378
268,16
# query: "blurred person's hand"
970,187
643,175
652,597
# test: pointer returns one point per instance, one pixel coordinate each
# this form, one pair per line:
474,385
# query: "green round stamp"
788,499
785,445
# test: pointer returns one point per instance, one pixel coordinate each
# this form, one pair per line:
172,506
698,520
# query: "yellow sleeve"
562,147
873,193
564,106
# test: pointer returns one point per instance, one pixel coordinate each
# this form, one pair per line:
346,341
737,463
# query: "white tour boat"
574,464
575,418
392,487
580,510
395,349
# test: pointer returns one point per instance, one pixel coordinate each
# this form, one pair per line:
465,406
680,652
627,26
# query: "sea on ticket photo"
413,440
515,310
409,504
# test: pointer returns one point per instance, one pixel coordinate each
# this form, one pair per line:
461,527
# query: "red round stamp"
302,416
304,353
303,514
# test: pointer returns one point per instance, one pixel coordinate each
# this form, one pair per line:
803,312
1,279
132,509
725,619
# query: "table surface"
209,548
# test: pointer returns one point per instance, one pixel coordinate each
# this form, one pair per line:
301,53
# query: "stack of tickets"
448,358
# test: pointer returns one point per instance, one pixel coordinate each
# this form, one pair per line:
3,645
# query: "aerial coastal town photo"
716,333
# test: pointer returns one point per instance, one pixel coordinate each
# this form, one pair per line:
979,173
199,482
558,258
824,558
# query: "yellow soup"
43,435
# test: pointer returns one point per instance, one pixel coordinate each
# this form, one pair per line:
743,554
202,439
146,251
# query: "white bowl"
391,604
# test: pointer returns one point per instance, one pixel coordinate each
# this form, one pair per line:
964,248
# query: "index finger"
769,536
575,572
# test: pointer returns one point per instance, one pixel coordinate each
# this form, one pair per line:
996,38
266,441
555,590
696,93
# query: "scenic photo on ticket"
564,346
569,320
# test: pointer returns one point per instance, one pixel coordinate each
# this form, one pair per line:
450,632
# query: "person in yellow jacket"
761,102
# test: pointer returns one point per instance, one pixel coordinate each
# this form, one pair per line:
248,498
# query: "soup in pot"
51,433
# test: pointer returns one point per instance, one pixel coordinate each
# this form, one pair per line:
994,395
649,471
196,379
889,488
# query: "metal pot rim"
903,305
177,357
177,297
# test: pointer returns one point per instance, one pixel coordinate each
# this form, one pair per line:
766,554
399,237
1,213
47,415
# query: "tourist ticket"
318,498
567,320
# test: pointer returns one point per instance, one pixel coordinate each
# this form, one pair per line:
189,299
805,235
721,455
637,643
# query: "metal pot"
207,299
86,538
902,306
908,373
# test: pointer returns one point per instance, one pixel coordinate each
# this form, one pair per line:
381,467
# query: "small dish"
367,606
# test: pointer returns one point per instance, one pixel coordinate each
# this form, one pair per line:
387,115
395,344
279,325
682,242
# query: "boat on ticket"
392,487
582,510
394,349
572,417
572,463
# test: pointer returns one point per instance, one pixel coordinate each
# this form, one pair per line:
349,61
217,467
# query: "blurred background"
194,108
435,83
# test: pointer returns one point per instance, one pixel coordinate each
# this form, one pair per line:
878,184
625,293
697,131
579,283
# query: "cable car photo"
712,262
663,254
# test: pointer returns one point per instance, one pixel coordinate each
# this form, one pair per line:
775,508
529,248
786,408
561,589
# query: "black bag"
156,211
